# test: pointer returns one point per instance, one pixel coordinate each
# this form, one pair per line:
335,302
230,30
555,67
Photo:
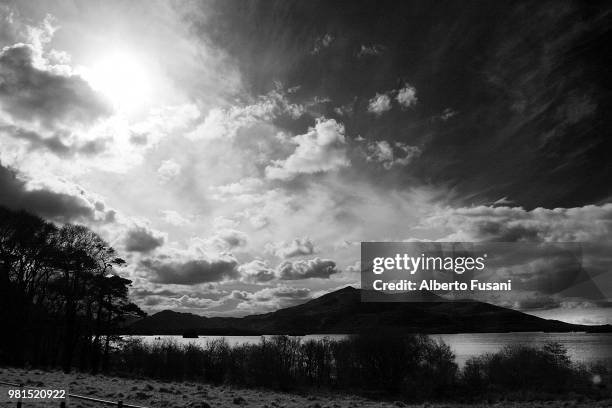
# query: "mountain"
343,312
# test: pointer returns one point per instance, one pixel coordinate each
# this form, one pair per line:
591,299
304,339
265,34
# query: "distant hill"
343,312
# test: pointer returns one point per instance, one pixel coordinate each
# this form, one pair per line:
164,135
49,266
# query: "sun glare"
123,79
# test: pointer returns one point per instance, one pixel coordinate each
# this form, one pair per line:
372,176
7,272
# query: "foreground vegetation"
156,393
381,365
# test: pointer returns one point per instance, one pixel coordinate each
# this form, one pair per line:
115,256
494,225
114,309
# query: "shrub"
524,368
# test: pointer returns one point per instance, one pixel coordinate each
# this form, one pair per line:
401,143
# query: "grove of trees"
60,296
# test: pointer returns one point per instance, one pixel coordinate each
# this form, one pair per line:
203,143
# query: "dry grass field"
150,393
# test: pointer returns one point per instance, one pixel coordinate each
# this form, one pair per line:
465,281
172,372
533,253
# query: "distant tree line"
60,296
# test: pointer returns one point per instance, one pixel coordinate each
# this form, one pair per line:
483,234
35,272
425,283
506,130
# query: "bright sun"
123,79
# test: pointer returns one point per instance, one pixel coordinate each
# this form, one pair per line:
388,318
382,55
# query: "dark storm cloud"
29,93
190,272
46,203
307,269
141,239
512,97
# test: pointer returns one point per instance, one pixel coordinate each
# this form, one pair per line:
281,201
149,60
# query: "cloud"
503,201
274,298
220,241
389,155
222,222
256,271
61,143
143,293
244,186
168,170
153,300
225,123
65,206
379,104
321,149
447,114
406,96
240,295
256,220
590,223
370,50
190,272
185,299
322,42
306,269
231,238
8,25
345,110
30,92
179,298
174,218
574,259
143,239
354,268
161,122
297,247
282,292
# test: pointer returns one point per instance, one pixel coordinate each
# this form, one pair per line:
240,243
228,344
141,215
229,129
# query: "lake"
581,347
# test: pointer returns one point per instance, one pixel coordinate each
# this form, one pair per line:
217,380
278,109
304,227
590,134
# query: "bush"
413,366
523,368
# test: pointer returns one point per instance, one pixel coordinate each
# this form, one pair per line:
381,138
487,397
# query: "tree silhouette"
58,286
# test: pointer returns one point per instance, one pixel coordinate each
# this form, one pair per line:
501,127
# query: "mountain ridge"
342,312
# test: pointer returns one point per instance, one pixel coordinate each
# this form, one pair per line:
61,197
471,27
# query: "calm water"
582,347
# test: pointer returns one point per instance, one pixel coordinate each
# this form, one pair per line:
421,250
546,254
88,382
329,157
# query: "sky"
236,153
